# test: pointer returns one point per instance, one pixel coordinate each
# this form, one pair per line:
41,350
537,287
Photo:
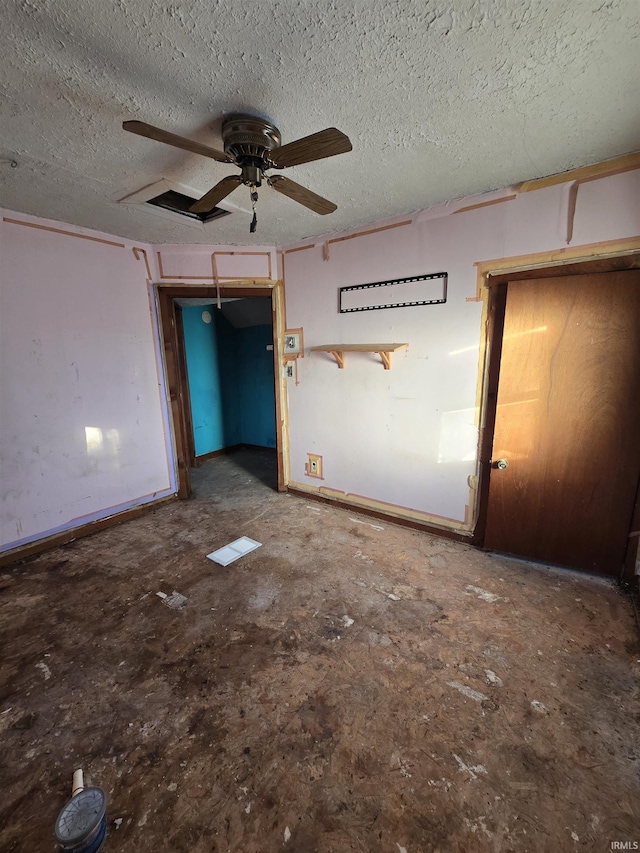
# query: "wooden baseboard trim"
384,516
46,544
213,454
233,448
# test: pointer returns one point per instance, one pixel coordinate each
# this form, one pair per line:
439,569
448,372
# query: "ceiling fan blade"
221,190
151,132
319,145
302,195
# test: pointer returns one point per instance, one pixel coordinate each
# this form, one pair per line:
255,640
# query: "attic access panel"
395,293
179,203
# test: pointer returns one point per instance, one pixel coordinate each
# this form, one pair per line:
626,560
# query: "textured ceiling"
440,100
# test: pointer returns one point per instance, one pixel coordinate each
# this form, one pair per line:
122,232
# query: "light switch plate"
293,344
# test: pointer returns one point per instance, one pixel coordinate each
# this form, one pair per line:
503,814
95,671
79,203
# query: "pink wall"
81,416
408,437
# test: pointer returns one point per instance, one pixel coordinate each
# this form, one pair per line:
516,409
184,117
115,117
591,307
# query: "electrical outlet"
313,468
288,370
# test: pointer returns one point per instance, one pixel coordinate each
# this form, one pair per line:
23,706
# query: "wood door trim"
177,402
500,271
234,289
495,270
633,548
495,313
181,354
174,391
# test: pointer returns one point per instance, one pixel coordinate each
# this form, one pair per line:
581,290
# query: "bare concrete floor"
350,686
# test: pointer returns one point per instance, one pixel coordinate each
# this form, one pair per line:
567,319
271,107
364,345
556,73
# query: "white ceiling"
440,100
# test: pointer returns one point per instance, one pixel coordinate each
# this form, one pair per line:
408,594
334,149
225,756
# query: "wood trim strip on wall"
136,250
268,254
367,233
282,408
485,204
385,511
216,278
391,510
604,169
209,279
62,231
298,249
158,351
165,275
284,292
407,512
259,287
554,257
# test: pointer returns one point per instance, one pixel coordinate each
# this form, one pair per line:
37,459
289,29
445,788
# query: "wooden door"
568,421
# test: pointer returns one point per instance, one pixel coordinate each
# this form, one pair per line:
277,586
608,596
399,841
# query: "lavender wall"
83,430
407,438
81,414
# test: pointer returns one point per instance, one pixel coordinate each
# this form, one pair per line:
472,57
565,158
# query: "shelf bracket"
386,358
339,357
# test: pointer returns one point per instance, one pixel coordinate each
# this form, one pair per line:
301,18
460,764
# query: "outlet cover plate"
313,468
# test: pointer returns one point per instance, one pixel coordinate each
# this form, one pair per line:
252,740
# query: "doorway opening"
223,379
231,380
545,496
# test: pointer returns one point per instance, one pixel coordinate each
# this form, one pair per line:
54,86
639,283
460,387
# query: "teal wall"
231,381
204,379
256,385
228,367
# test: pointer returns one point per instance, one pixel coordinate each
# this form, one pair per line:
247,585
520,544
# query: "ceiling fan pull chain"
254,221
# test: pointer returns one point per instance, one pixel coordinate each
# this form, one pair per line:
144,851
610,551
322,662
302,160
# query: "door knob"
502,464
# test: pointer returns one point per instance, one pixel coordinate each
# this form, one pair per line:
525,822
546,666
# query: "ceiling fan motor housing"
248,140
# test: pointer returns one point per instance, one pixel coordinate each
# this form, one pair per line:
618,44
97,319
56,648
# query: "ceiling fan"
254,144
